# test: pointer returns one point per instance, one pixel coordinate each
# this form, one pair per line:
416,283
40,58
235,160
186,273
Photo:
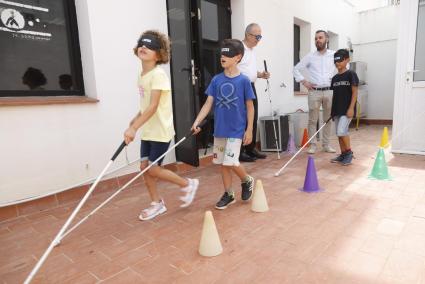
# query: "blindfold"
150,42
229,52
338,59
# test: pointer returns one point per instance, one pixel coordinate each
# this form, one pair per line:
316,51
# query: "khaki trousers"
315,100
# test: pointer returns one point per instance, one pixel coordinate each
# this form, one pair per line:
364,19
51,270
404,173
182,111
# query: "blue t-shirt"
230,111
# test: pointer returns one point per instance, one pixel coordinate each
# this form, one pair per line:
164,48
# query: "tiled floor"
355,231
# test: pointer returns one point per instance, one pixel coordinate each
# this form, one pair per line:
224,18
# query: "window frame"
74,60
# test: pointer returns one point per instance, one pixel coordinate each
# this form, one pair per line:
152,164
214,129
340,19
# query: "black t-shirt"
341,85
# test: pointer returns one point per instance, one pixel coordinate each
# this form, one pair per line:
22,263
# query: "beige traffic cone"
259,200
210,244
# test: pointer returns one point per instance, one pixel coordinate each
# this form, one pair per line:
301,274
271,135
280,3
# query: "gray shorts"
342,124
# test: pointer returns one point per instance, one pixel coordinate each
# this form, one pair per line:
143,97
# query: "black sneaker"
247,188
255,154
347,159
338,159
225,200
244,157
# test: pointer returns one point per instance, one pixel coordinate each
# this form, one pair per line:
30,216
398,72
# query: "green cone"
380,169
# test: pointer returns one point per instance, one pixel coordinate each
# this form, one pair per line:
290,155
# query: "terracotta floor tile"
378,245
157,270
390,227
207,274
285,270
126,276
106,270
403,267
364,268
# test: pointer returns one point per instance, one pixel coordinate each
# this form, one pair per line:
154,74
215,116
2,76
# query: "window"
209,20
419,75
39,49
333,41
302,42
297,46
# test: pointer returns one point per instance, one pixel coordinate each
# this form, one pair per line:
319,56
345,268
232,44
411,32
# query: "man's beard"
321,47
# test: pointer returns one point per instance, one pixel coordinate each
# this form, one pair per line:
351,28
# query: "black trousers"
251,146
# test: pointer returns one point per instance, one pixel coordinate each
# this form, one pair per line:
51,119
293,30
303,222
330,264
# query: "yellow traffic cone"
384,138
259,200
210,244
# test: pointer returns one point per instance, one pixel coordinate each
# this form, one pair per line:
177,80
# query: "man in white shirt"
248,67
321,68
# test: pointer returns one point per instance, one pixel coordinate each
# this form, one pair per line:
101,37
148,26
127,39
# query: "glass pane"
183,98
420,44
34,52
209,19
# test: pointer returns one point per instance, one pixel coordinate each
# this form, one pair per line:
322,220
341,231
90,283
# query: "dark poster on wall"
35,53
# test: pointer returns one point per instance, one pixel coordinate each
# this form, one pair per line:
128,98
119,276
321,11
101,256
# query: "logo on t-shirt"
226,97
341,83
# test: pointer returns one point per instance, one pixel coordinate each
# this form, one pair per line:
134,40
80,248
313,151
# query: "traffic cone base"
210,244
380,168
291,145
311,184
259,200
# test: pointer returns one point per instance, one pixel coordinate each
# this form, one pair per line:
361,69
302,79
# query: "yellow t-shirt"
160,126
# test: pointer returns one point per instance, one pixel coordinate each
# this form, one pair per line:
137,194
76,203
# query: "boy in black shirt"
344,86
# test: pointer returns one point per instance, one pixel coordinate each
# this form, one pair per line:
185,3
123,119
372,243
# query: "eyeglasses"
257,37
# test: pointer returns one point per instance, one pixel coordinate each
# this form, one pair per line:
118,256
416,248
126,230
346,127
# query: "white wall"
376,44
46,148
362,5
276,19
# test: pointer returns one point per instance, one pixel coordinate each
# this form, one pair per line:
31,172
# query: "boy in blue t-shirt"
231,95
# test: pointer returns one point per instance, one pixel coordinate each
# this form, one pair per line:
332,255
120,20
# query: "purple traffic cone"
311,184
291,145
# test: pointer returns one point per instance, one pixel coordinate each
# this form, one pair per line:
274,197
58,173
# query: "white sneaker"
328,149
190,191
152,211
312,149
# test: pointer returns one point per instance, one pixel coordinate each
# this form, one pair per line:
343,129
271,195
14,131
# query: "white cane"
271,106
122,188
62,233
293,157
56,240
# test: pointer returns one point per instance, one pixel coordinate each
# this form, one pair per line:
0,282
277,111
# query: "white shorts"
226,151
342,123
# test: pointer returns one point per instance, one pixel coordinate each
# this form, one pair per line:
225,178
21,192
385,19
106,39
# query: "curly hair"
164,52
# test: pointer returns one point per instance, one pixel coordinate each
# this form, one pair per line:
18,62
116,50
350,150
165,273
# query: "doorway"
196,28
409,103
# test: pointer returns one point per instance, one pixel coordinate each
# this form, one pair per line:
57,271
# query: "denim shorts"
152,150
342,124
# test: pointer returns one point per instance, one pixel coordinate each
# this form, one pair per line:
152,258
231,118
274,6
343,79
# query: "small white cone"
210,244
259,200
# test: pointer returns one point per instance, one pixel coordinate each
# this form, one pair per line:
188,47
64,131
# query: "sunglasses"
257,37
